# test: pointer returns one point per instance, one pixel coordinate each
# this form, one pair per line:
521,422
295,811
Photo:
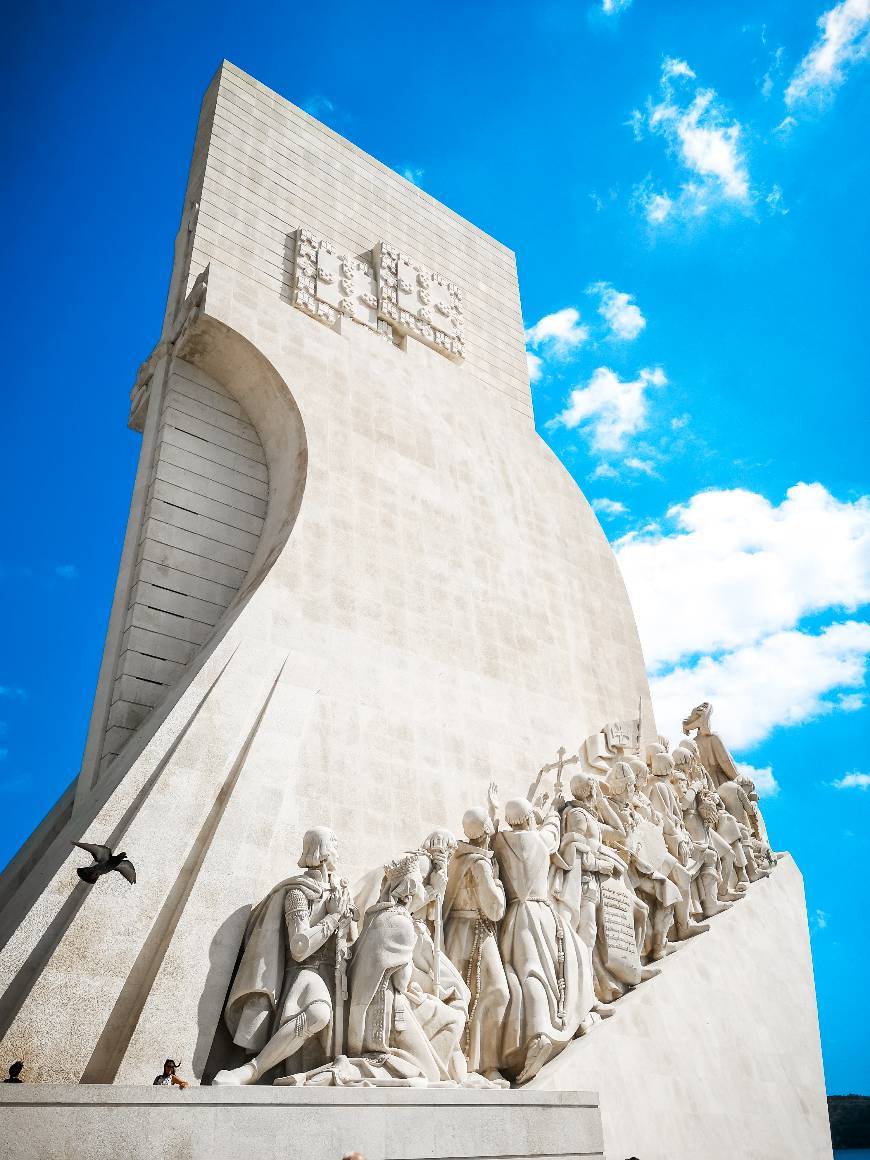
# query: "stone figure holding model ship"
283,997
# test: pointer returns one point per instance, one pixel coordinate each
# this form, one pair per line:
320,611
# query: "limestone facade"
431,603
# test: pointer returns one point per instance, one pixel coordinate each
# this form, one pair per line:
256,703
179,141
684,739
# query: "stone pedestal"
106,1122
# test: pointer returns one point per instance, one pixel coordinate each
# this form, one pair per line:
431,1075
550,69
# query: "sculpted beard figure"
579,871
282,996
474,905
699,877
701,817
649,879
548,967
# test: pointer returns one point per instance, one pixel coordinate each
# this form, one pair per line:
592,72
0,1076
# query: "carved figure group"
477,961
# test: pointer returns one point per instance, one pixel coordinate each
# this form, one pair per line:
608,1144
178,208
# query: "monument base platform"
105,1122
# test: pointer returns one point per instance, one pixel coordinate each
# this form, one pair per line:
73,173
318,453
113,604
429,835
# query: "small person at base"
169,1077
15,1072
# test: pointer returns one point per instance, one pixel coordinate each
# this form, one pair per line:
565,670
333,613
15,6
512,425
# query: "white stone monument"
356,590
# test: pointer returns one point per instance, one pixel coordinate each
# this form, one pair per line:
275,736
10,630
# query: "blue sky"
685,188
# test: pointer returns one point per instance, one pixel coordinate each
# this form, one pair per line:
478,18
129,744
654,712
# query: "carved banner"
617,943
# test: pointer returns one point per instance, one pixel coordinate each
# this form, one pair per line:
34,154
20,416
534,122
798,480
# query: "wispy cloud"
603,471
703,137
775,202
559,333
613,7
608,507
319,106
619,310
843,40
67,571
819,920
644,466
852,781
608,409
851,702
14,692
535,365
412,173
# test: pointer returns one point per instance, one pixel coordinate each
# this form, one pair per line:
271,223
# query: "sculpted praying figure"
548,967
408,1004
581,871
282,997
474,905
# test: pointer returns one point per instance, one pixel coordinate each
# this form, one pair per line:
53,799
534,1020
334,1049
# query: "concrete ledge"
104,1122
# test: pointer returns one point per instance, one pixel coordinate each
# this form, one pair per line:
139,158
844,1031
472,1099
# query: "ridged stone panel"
204,514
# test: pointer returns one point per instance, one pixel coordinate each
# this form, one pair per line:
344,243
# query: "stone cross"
559,764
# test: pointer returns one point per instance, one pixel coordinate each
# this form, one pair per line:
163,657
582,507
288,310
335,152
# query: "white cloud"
673,68
657,207
853,781
318,106
785,126
644,466
763,778
720,596
612,7
604,471
843,39
415,176
619,310
559,333
774,70
608,409
820,920
706,140
775,201
734,568
536,366
609,507
850,702
781,680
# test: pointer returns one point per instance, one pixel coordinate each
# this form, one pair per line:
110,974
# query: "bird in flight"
104,862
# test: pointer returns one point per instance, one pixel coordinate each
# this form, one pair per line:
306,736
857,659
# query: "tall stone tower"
355,587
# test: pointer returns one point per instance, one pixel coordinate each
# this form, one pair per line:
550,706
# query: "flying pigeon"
104,861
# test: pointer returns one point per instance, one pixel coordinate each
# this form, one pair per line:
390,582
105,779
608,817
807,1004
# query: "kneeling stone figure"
281,1003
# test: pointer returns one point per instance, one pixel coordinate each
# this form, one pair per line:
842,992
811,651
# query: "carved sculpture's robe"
547,996
265,980
473,904
391,1009
715,758
576,885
